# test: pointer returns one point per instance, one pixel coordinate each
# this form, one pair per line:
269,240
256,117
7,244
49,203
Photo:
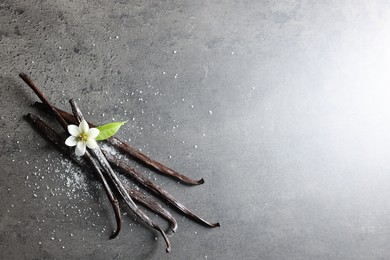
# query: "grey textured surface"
282,106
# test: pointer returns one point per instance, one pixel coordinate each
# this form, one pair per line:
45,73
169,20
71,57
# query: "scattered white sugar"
75,179
195,146
210,112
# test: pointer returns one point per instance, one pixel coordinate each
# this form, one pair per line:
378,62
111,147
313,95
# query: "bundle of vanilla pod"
93,158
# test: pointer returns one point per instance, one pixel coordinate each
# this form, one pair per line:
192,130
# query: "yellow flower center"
83,137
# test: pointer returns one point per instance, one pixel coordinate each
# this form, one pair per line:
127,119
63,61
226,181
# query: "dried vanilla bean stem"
64,124
59,143
156,189
124,147
110,194
153,205
119,186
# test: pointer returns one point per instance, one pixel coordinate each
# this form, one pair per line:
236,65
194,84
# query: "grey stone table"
281,106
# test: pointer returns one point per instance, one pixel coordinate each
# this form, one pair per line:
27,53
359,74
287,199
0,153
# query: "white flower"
81,137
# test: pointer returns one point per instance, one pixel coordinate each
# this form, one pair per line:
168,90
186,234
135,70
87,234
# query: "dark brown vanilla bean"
110,194
153,205
124,147
156,189
44,100
59,143
64,124
118,184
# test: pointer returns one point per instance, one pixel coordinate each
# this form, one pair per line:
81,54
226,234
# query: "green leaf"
108,130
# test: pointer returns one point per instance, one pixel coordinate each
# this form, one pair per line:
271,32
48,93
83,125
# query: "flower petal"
73,130
71,141
93,133
84,127
92,144
80,148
